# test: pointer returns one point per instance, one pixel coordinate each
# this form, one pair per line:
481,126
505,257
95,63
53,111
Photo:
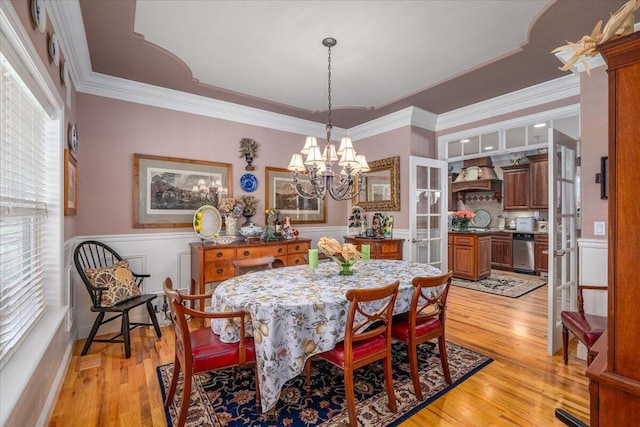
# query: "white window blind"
22,209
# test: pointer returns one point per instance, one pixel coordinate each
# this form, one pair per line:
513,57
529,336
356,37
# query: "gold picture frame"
70,184
381,186
168,190
282,196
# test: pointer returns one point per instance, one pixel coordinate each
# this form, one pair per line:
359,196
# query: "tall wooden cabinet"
539,179
515,182
615,373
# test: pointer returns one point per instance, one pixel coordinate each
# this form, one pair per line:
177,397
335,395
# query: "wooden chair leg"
92,334
186,399
413,363
307,370
565,345
255,370
442,347
154,319
125,334
388,381
349,391
174,382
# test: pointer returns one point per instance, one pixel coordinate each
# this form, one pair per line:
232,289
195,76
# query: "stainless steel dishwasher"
523,253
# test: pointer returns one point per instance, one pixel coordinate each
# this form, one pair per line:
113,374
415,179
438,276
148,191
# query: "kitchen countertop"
492,230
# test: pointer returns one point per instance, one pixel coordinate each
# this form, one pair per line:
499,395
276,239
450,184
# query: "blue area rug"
227,397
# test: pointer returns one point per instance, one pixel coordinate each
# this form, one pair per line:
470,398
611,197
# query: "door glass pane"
422,202
422,177
423,252
515,137
434,200
422,222
434,179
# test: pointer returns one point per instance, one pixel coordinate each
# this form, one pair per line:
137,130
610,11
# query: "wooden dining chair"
425,321
114,290
200,349
586,327
365,341
248,265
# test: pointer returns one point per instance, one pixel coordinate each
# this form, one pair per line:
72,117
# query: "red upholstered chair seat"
211,353
400,327
587,327
361,349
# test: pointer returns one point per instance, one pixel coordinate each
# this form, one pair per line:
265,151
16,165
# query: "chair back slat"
374,322
94,254
429,299
249,265
179,321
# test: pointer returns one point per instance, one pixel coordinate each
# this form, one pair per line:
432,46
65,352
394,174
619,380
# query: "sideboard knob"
246,253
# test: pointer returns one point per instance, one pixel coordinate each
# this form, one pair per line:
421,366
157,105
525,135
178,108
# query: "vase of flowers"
344,255
461,219
248,150
249,205
231,210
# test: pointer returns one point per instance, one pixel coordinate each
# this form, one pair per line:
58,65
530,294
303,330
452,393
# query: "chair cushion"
211,353
587,327
361,349
119,281
400,327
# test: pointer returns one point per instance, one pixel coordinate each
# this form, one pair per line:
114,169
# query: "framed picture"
70,184
168,190
282,195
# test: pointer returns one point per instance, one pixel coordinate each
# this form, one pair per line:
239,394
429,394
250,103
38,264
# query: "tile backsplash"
486,200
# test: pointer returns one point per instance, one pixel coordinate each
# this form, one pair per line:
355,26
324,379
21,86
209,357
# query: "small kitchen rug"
506,286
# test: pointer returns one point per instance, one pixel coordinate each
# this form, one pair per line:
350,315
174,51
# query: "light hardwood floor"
521,387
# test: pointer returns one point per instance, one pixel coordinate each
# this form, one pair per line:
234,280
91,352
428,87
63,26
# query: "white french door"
563,253
428,211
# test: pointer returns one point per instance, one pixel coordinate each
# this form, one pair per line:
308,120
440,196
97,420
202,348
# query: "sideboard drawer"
215,254
296,259
298,248
386,248
217,271
253,252
463,240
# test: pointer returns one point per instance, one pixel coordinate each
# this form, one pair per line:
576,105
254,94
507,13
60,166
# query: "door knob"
559,252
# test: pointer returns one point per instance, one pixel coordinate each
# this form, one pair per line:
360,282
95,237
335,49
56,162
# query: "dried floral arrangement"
229,206
248,147
249,204
619,24
344,252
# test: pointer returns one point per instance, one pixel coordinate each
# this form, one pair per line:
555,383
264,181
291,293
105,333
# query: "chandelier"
319,166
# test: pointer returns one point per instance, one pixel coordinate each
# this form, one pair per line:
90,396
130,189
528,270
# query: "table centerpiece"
345,255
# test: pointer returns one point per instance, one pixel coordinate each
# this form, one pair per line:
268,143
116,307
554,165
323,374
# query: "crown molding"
553,90
410,116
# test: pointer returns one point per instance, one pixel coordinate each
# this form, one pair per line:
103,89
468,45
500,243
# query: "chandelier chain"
329,118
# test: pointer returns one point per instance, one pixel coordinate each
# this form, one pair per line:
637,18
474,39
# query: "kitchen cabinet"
541,257
539,179
502,251
614,375
380,248
451,265
516,185
453,197
471,255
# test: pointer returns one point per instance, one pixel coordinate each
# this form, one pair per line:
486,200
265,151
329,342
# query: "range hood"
477,175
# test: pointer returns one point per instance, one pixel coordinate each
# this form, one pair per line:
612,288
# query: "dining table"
296,312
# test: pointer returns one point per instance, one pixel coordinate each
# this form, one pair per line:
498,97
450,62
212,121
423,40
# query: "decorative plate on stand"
54,49
39,14
482,219
73,139
248,182
207,222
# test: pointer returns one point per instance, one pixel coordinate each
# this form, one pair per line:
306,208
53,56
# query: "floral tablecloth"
296,312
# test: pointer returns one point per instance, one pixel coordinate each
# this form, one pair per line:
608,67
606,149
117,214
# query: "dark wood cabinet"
471,255
502,251
453,197
450,253
539,179
516,185
541,257
380,248
614,373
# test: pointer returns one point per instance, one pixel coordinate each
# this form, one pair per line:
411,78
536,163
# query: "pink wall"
41,43
594,112
112,131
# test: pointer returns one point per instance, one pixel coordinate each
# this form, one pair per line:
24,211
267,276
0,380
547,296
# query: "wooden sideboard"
380,248
214,263
614,373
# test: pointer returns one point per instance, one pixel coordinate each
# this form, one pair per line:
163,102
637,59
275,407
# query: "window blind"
23,209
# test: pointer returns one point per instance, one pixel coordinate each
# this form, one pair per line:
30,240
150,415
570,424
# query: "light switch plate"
599,228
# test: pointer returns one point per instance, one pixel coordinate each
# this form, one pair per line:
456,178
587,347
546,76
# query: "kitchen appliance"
526,224
523,253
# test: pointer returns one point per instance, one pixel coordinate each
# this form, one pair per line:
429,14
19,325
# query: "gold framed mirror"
382,186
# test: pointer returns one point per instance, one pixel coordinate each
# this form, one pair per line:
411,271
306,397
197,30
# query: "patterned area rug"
227,398
502,285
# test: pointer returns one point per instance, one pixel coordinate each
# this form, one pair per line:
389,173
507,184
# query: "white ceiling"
386,51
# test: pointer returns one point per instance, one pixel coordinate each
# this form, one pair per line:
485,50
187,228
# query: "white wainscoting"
159,254
593,261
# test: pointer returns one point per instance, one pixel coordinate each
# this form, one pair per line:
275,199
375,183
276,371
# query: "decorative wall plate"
54,49
39,14
64,73
248,182
207,222
482,219
73,138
